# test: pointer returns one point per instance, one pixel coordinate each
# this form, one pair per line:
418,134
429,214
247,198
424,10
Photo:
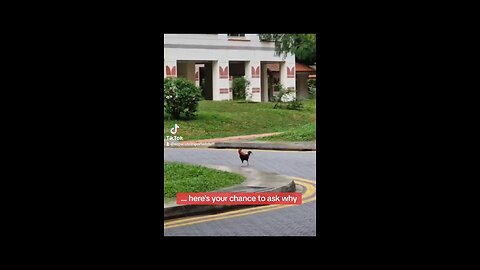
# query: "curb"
266,146
175,211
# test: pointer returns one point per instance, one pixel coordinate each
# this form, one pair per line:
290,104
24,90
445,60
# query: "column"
287,78
221,82
230,83
170,68
265,82
197,75
252,73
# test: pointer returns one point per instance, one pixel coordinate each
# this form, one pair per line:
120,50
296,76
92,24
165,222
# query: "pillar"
221,82
287,78
264,79
197,75
170,69
252,73
230,83
302,85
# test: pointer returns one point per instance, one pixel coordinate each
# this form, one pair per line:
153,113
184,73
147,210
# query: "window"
236,35
265,37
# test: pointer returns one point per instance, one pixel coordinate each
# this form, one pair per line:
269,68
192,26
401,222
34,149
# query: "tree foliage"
302,45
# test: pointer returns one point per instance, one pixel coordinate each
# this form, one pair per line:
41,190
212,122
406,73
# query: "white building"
215,59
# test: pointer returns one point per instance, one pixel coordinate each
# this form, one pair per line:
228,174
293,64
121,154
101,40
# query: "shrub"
295,104
180,96
239,87
282,93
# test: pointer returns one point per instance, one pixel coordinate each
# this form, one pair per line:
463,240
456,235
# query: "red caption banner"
238,198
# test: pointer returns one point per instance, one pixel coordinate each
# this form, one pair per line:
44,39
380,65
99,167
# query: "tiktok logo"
175,129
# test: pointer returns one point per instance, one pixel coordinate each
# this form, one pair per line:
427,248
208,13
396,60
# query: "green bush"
239,87
180,96
295,104
282,92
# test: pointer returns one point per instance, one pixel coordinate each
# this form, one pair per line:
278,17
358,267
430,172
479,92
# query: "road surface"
298,220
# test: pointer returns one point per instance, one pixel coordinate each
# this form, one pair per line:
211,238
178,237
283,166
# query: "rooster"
244,156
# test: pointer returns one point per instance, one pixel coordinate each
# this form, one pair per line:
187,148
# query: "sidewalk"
244,142
210,142
285,146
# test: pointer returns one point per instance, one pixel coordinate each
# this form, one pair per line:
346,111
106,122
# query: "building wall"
219,49
215,47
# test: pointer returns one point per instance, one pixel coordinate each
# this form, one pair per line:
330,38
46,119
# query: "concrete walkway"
256,181
286,146
237,138
244,142
209,142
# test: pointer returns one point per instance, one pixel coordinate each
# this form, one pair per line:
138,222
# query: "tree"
302,45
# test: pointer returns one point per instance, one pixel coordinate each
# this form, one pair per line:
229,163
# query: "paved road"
290,221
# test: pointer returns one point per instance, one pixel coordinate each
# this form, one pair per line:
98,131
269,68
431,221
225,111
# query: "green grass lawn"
216,119
301,134
191,178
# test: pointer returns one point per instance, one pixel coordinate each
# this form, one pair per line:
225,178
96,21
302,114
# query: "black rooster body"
244,156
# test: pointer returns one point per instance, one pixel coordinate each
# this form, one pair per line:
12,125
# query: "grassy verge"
216,119
191,178
302,134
